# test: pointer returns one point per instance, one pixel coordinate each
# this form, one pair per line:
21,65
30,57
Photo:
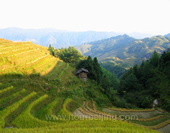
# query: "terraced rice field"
29,102
64,121
27,58
158,121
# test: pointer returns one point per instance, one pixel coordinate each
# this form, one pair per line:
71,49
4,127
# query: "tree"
154,60
136,71
90,68
165,62
147,82
125,75
51,49
97,70
130,84
105,85
69,55
112,79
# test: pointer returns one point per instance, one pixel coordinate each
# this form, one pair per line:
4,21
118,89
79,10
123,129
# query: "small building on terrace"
82,74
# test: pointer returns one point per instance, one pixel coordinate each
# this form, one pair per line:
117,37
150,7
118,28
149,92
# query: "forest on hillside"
143,83
137,88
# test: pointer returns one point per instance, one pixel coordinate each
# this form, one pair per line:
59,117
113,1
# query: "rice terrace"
40,93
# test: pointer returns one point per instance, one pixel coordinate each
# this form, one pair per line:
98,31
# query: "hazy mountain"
167,35
59,38
124,49
138,35
56,38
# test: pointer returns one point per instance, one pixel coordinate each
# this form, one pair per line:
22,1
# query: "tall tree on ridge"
97,69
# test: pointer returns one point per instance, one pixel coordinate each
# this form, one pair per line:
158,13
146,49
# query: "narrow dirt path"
143,115
165,129
80,114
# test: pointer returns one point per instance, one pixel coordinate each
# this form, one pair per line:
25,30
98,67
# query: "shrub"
34,75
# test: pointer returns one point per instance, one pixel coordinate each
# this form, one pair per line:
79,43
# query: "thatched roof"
82,70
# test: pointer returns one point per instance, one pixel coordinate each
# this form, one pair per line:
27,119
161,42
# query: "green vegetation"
85,126
11,96
1,91
140,85
26,120
116,69
4,113
64,112
104,78
40,93
95,72
47,110
69,55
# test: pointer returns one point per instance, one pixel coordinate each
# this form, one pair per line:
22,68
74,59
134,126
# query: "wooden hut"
82,74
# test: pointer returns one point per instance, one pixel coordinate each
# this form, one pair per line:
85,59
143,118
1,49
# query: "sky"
144,16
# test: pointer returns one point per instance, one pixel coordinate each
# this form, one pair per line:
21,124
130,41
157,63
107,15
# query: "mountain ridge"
57,38
125,49
60,38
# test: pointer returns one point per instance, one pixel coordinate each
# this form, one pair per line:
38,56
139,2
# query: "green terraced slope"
40,93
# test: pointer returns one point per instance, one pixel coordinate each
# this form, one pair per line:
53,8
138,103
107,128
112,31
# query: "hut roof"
82,70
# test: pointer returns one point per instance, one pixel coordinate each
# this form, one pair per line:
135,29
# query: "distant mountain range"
125,50
107,46
59,38
167,35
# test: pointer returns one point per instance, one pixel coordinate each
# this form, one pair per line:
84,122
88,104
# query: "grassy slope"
32,82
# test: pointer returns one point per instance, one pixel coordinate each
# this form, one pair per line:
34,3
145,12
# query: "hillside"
125,50
25,58
40,93
144,83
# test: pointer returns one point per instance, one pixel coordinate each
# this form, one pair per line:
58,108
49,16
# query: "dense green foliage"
118,70
140,85
69,55
94,87
104,78
92,65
